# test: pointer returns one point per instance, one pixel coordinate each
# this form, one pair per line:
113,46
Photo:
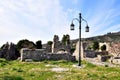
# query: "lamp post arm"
84,20
79,20
76,20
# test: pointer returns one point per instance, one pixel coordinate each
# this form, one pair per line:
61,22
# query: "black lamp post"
87,30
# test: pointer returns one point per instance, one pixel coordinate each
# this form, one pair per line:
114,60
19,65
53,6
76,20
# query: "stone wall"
40,54
90,53
114,49
76,52
103,58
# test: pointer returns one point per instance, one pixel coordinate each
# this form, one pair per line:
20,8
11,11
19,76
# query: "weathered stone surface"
40,54
90,53
8,52
36,54
28,60
76,53
116,61
114,49
0,54
103,58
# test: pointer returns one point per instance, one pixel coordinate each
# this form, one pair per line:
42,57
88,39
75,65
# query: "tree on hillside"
103,47
95,45
39,44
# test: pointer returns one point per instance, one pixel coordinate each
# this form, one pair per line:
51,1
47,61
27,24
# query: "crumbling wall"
8,52
58,45
40,54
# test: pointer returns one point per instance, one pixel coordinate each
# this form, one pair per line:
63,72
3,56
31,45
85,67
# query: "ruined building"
58,46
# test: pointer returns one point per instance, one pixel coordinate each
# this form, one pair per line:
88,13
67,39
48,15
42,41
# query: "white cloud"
41,19
31,19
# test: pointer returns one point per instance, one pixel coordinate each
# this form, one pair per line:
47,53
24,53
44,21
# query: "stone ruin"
40,55
114,49
59,50
8,52
85,53
76,52
59,47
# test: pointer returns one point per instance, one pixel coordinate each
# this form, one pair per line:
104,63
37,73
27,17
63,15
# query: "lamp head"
72,26
87,29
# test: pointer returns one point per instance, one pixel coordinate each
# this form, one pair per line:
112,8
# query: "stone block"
103,58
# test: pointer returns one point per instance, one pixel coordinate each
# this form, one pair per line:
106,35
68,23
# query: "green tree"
89,48
49,43
66,39
2,46
39,44
103,47
95,45
25,44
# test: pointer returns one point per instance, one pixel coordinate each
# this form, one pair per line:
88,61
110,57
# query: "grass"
16,70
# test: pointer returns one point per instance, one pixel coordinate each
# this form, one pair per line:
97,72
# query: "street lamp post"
87,30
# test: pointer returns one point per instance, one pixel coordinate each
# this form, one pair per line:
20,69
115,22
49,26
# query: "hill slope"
109,37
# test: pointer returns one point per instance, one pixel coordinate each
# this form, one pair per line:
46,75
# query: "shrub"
95,45
103,48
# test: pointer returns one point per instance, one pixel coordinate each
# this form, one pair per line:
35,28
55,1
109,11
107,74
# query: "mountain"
109,37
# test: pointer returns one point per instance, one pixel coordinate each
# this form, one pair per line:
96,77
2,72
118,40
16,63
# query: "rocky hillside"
109,37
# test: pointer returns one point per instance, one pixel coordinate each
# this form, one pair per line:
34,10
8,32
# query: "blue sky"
42,19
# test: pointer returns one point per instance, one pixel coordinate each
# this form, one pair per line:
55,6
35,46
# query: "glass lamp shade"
87,29
72,26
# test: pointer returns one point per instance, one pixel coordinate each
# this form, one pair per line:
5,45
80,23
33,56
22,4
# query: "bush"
25,44
72,50
95,45
49,43
39,44
103,48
